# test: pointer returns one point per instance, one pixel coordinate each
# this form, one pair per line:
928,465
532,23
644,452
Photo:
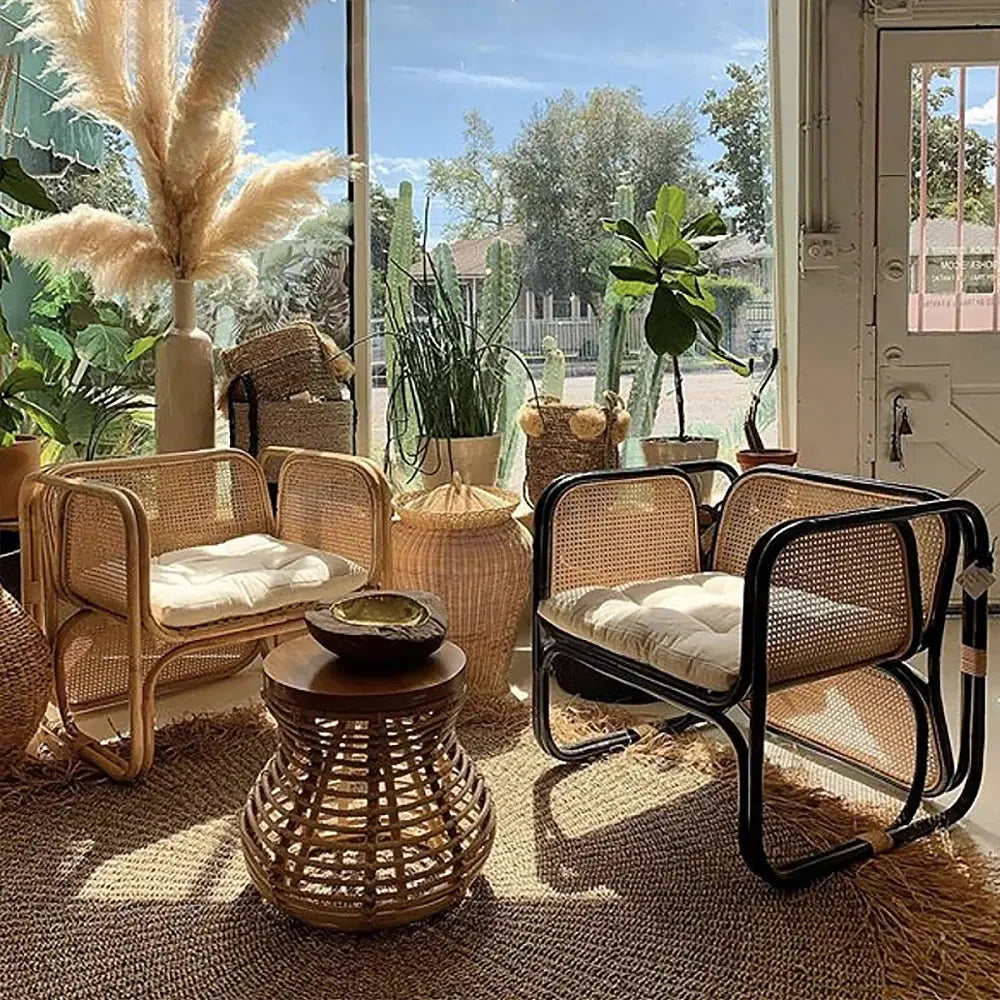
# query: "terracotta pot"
16,461
670,451
475,459
769,456
185,380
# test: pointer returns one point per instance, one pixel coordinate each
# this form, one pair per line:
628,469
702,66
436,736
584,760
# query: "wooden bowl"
381,627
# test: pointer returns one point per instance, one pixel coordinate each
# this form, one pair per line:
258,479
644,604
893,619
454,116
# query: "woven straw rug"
617,880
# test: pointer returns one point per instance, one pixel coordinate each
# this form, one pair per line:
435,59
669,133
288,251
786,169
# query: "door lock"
895,269
901,427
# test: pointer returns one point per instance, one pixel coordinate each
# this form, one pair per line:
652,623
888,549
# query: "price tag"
976,580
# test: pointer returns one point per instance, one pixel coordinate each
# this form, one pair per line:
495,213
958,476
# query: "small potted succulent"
755,453
664,262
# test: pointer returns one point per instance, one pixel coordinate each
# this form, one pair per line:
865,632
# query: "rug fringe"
947,948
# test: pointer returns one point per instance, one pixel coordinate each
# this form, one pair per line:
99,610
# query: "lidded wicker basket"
462,543
561,439
286,389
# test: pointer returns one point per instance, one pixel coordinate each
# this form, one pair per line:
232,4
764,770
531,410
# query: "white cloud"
399,168
984,114
460,77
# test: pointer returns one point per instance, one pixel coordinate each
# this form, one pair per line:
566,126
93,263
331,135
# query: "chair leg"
541,697
750,761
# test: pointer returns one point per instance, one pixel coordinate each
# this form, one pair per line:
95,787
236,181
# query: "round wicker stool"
370,814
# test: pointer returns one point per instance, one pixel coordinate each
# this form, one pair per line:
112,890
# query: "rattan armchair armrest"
335,503
828,544
93,541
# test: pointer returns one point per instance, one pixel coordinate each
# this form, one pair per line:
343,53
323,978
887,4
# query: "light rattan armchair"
811,613
156,573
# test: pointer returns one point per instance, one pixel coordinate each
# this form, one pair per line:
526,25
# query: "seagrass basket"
463,544
25,679
290,360
561,439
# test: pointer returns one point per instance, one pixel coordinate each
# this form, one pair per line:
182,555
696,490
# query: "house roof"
941,237
470,255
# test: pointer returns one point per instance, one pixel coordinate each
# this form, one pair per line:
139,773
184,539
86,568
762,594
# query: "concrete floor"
983,822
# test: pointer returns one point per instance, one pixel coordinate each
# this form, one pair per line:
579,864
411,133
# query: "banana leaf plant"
665,263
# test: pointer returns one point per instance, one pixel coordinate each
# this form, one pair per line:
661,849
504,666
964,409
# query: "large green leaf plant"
96,359
665,264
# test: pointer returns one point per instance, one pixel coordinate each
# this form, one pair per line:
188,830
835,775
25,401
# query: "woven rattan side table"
370,814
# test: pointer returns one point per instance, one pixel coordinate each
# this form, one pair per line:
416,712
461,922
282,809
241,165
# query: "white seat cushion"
686,626
690,627
244,576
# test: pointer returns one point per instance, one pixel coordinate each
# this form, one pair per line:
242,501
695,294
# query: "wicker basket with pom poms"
563,439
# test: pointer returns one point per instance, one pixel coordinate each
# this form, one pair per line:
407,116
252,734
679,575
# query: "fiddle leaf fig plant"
665,263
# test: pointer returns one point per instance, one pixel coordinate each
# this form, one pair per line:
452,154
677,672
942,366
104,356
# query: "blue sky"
431,60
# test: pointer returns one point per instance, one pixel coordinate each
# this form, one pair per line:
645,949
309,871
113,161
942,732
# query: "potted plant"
755,453
121,64
664,263
446,371
20,449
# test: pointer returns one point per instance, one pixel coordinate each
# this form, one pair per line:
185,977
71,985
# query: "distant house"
570,319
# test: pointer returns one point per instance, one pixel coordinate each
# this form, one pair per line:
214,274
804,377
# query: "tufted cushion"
687,626
690,627
245,576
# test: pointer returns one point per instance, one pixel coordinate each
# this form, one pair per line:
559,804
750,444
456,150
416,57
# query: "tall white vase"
185,387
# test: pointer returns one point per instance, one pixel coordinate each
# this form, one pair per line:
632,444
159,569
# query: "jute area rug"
616,880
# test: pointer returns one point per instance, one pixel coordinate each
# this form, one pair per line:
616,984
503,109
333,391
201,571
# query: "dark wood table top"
303,672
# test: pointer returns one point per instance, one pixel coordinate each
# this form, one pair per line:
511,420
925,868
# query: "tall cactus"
449,286
499,290
614,314
398,291
644,399
553,370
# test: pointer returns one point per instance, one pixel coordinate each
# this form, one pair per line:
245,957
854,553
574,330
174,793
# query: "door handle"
901,428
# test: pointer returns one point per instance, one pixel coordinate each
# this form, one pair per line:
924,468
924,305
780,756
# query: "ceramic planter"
17,460
475,459
185,384
670,451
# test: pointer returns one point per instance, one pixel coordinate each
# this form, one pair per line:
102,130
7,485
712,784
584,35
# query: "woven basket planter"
25,679
561,439
461,543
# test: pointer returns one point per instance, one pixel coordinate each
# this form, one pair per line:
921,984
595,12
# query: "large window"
524,123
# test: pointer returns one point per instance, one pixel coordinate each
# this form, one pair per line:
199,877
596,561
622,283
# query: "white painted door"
937,287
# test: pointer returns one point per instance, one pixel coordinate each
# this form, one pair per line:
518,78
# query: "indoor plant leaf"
26,376
142,346
633,273
669,330
16,184
671,203
55,342
104,346
709,224
49,425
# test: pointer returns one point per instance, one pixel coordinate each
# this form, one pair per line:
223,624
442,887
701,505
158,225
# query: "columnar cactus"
554,369
614,314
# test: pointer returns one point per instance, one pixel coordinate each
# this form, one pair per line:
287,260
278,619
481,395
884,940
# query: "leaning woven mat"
616,880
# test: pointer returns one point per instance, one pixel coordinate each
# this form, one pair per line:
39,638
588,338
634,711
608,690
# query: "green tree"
566,165
740,119
111,187
474,185
942,156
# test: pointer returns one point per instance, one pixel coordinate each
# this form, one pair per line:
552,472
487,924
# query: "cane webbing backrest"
609,532
762,500
199,499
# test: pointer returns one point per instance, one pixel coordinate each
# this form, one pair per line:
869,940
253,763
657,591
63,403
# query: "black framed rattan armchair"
820,592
